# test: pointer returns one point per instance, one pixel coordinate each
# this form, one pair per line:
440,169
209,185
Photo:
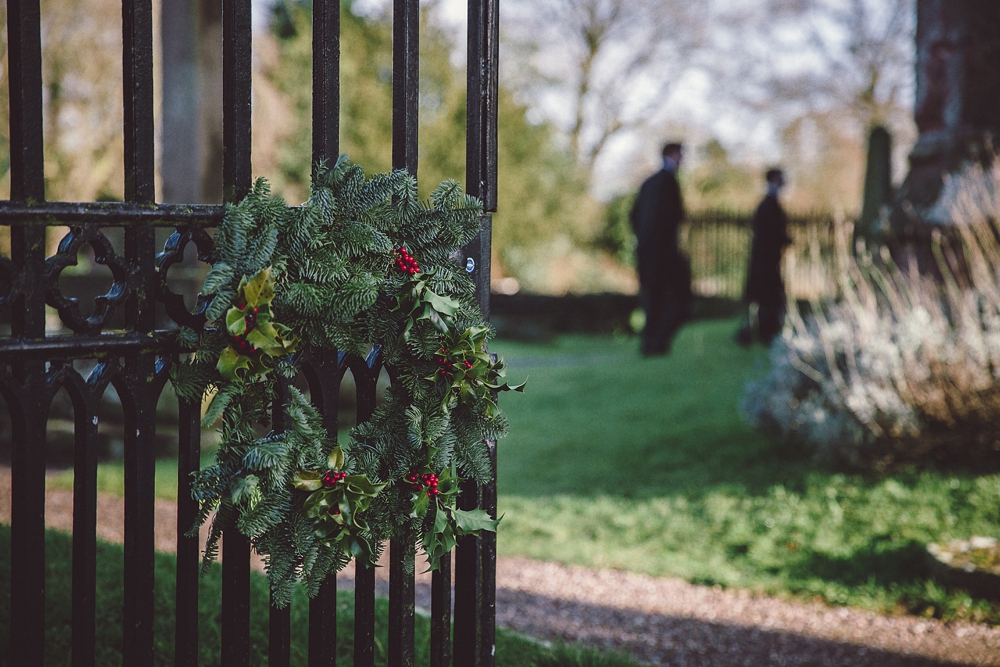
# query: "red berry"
329,479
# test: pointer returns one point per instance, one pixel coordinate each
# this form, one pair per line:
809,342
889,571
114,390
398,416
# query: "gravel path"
660,621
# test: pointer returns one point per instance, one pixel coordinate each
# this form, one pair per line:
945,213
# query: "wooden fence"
718,245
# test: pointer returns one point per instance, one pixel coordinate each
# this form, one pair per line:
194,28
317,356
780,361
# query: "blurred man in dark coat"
664,272
765,288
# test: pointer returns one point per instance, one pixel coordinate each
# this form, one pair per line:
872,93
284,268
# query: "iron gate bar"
405,83
237,43
28,312
139,386
86,396
82,347
326,80
324,371
440,649
482,99
365,373
138,391
475,564
405,95
24,48
188,548
110,214
25,391
325,374
237,54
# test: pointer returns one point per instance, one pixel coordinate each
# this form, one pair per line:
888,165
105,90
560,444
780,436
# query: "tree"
715,181
823,73
600,67
82,100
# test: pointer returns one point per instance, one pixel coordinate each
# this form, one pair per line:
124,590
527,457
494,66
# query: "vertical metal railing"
324,371
475,559
405,95
139,395
27,396
236,181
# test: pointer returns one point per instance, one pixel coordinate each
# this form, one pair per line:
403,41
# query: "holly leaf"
439,540
236,323
231,363
264,338
420,502
336,459
440,521
508,387
470,522
435,318
361,486
442,304
307,480
259,288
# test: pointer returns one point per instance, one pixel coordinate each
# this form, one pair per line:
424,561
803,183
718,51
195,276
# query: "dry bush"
904,365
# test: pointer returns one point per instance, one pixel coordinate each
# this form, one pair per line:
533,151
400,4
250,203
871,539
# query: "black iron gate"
135,360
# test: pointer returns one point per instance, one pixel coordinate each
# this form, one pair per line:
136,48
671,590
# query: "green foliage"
512,649
646,465
337,273
716,182
616,237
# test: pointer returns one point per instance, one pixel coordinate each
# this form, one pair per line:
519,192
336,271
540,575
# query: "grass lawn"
512,650
616,461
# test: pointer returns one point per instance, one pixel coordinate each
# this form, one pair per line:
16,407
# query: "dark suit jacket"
770,236
656,215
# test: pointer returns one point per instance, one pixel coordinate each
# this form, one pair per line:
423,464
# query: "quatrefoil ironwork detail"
104,253
173,252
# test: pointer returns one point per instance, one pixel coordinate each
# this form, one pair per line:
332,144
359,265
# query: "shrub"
905,364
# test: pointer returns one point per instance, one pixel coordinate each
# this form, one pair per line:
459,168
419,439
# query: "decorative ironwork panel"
118,346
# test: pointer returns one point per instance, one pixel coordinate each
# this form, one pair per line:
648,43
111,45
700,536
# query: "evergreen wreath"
362,264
